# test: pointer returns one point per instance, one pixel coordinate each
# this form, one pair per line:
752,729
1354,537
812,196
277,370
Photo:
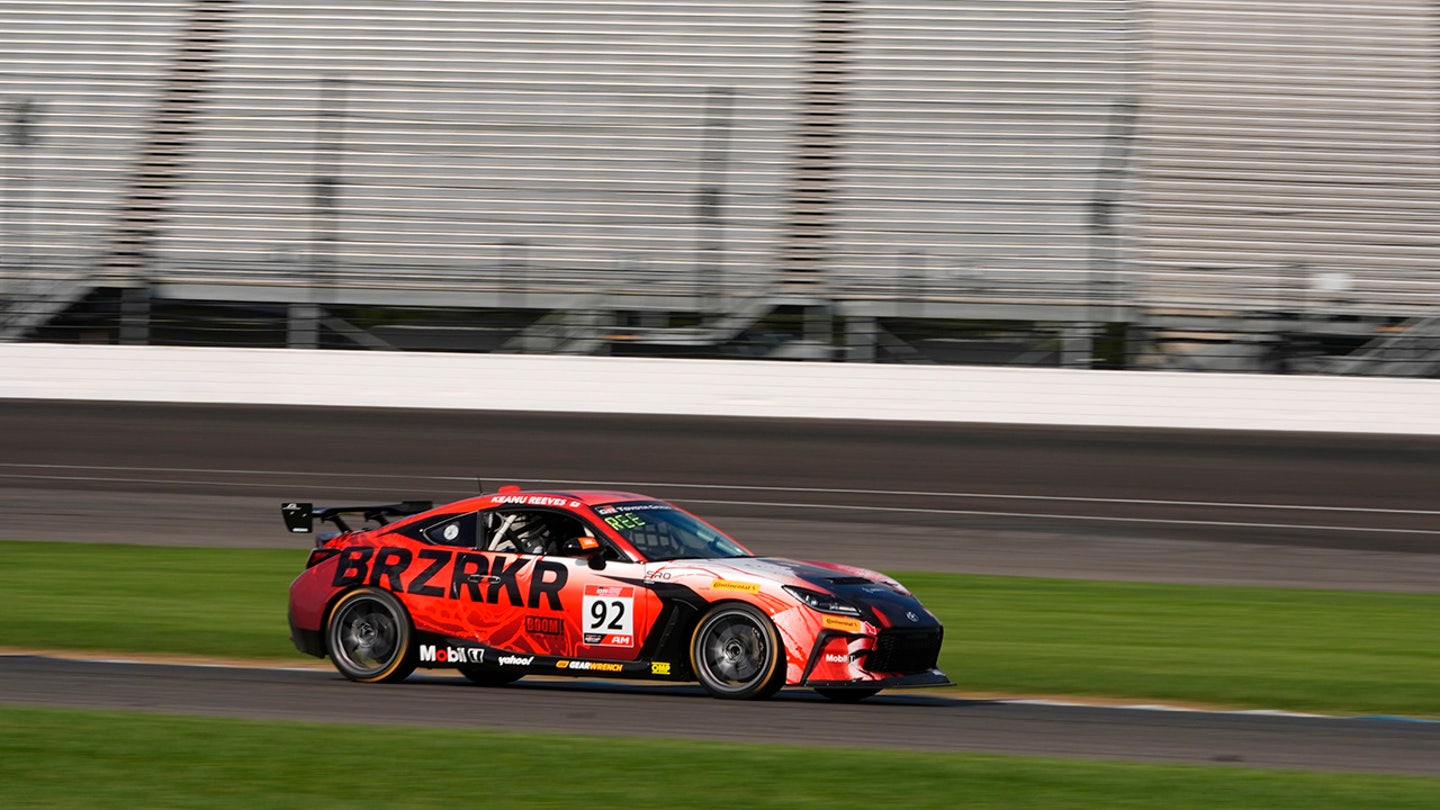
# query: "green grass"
204,601
75,759
1308,650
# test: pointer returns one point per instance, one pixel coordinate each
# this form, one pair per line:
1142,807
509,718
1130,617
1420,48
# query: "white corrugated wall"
570,133
1290,137
90,70
971,137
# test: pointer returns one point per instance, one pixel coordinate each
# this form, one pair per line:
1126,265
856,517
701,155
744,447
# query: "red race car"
593,583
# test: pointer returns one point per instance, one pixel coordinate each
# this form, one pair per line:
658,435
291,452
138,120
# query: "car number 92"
609,615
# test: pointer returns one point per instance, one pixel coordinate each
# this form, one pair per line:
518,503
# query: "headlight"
823,602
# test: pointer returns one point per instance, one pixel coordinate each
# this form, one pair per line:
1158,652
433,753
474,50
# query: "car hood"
790,572
869,590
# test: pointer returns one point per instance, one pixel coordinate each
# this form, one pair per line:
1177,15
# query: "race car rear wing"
300,517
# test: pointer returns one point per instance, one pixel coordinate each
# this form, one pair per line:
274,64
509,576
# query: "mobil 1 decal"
608,615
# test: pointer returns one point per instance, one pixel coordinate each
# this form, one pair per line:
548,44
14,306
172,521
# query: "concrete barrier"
720,387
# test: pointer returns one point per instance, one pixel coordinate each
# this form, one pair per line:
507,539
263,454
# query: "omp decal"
732,585
391,568
608,615
841,624
432,654
659,668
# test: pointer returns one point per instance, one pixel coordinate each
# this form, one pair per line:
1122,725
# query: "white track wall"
720,388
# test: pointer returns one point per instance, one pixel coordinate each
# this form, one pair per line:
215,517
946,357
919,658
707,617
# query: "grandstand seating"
91,69
1164,158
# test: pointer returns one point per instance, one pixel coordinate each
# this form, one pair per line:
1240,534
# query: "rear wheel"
489,677
368,637
847,695
736,653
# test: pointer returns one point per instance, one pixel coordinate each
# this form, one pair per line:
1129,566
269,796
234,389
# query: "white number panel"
608,615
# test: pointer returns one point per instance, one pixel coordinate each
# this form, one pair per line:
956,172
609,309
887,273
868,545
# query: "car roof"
587,497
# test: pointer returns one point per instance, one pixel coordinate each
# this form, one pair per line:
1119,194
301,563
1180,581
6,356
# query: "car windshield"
663,532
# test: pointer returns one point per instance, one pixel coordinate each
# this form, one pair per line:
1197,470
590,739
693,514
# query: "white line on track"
781,504
1100,518
1165,707
680,485
1072,704
188,481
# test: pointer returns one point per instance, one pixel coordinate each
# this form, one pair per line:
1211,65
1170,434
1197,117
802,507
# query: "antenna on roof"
479,486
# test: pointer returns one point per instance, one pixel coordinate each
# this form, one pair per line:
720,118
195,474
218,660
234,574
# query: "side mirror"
587,548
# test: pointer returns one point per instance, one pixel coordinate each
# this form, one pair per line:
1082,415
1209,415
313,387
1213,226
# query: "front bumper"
932,678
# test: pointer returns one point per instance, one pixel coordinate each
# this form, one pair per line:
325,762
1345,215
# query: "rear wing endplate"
300,517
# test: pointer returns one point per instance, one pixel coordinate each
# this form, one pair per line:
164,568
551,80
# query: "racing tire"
489,677
368,637
736,653
847,695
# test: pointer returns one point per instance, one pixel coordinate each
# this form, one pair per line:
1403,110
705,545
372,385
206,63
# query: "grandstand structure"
1238,185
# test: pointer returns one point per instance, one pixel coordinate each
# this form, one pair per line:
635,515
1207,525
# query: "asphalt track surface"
1168,506
903,720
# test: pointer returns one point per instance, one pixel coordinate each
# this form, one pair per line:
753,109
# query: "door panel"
605,617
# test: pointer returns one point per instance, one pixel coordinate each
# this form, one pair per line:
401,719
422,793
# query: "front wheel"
368,637
736,653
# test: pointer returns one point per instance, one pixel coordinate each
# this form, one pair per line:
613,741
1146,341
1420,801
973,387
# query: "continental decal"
732,585
459,575
842,624
588,666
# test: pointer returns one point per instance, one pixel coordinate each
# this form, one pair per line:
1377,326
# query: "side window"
455,531
530,531
656,539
